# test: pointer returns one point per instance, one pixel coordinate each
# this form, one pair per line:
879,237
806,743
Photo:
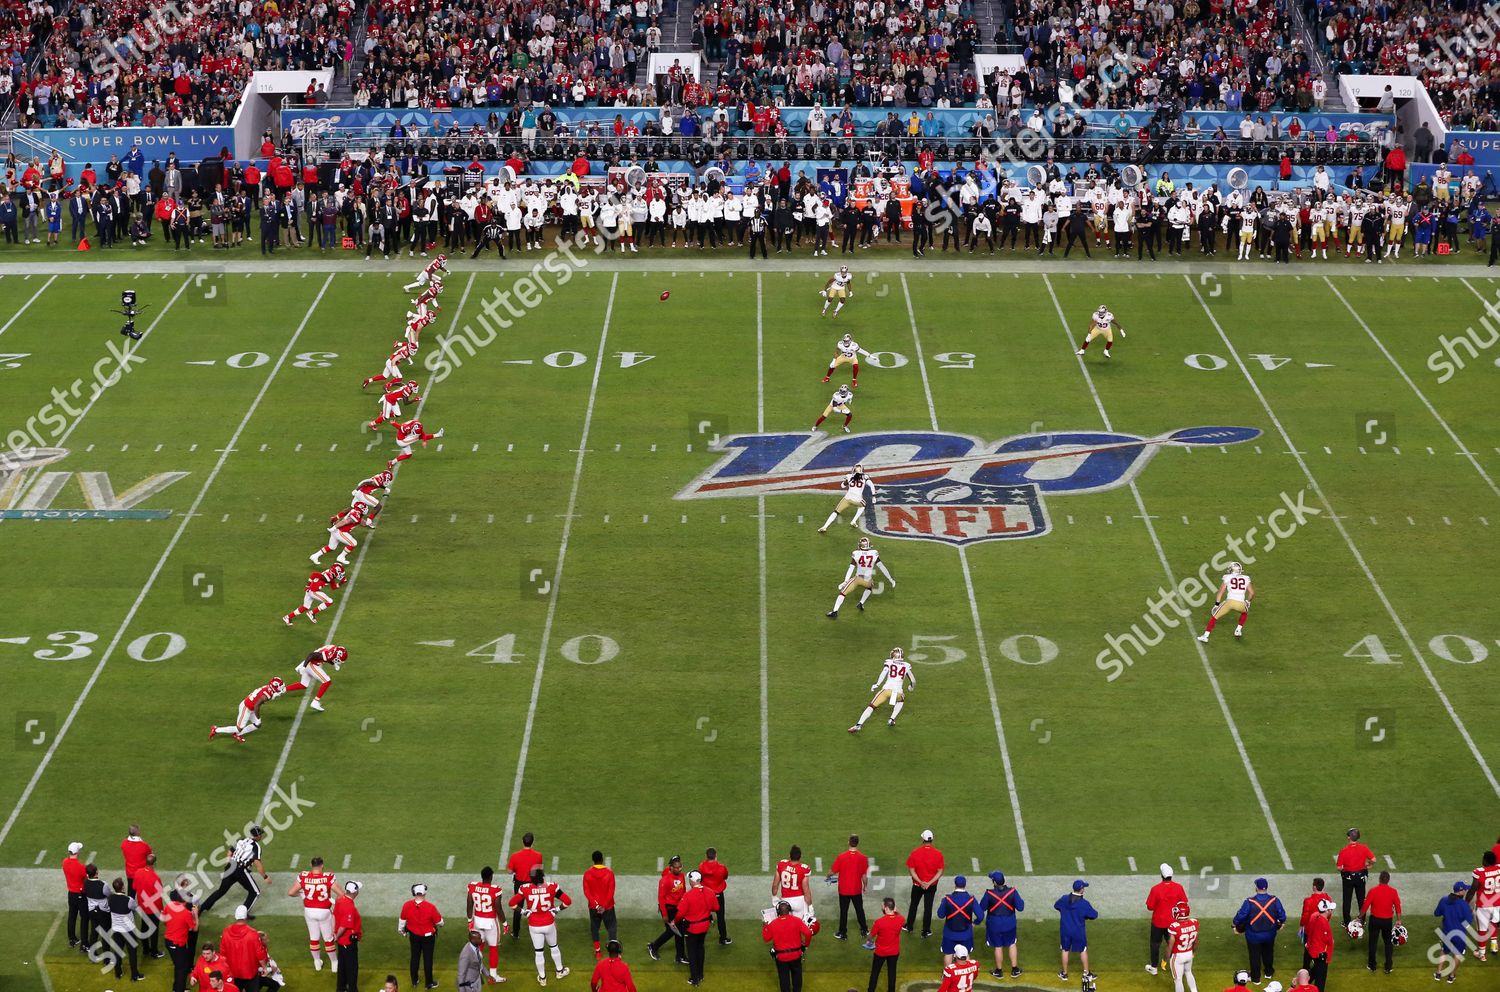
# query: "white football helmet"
844,269
864,544
1235,568
848,337
1101,311
898,654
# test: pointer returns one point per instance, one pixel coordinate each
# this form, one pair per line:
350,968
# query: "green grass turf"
659,749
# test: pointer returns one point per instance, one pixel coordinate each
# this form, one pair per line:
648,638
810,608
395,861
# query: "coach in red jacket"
612,974
1161,900
788,936
1319,943
419,921
243,952
694,914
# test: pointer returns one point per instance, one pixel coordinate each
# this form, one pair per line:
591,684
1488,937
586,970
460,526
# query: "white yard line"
1161,555
765,654
338,613
557,576
984,651
26,306
41,952
1359,559
1452,436
88,687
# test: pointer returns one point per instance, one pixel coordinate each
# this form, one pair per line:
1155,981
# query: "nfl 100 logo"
935,486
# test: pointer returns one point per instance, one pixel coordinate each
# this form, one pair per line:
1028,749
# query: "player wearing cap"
958,971
670,889
851,870
1317,942
959,912
419,922
1182,939
999,907
1074,912
1457,919
348,930
1484,893
925,866
1241,979
1380,913
1353,862
694,915
1260,918
1162,900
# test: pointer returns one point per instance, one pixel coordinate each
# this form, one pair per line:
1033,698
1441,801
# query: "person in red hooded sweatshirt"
612,974
1161,901
243,952
148,896
1318,943
135,851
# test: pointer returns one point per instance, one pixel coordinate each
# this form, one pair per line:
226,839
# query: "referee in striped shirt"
244,864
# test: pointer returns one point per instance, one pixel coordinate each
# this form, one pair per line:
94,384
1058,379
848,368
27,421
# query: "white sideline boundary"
765,655
1359,559
557,575
161,562
338,613
984,651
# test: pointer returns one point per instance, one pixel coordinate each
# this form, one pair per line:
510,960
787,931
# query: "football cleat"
564,973
832,614
315,704
853,730
240,738
213,732
825,378
1203,637
312,617
1239,631
1078,352
860,606
287,621
846,430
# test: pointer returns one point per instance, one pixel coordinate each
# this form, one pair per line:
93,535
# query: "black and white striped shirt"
246,853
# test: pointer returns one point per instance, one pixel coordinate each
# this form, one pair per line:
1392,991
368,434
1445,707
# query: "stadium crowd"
137,913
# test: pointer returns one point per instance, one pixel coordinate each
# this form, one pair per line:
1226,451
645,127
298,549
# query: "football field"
595,608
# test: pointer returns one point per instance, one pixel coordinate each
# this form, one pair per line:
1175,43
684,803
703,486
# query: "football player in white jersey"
1395,231
842,397
1234,596
860,575
855,484
837,290
1103,326
846,352
890,687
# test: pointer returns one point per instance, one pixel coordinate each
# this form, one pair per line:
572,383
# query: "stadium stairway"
342,92
677,33
991,17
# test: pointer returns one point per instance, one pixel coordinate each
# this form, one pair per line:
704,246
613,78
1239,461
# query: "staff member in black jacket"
244,864
782,226
270,222
96,909
921,228
849,220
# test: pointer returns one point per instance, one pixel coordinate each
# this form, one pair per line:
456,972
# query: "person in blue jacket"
1453,932
959,912
1074,912
999,907
1260,919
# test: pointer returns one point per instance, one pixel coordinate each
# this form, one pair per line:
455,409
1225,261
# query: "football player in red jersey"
959,975
310,670
390,402
1484,892
315,886
790,882
431,274
416,320
401,351
408,434
364,493
314,599
540,902
1182,937
339,535
248,719
429,296
485,918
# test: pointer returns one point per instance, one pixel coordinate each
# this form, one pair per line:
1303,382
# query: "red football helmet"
1181,911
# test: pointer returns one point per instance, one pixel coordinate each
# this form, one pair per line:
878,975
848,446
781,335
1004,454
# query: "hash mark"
1234,863
225,519
1390,863
645,518
262,519
159,447
684,518
397,865
298,447
617,447
1080,860
333,447
295,859
1184,521
1431,452
413,518
348,857
606,518
1485,521
124,447
1447,522
528,517
263,448
1439,862
42,854
1184,862
1257,449
299,518
1224,520
1327,450
1409,520
546,448
1131,863
453,518
653,448
1070,518
489,519
474,449
1374,521
449,865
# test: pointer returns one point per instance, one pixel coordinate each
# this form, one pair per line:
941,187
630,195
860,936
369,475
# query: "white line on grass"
1161,554
1463,448
765,657
41,953
562,555
88,687
25,306
338,613
984,652
1359,559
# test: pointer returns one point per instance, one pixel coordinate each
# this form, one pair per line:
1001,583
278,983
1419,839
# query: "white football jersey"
843,397
894,674
864,563
854,487
1103,319
1236,586
841,280
848,348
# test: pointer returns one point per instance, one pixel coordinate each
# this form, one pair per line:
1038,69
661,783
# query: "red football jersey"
317,889
541,903
791,878
262,695
959,976
1184,935
1487,886
410,432
485,898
